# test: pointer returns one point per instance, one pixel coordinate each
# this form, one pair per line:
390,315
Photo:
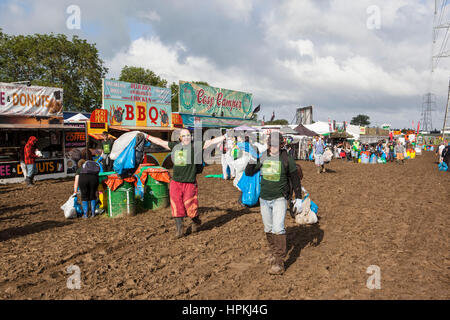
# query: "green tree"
141,76
277,122
360,120
53,60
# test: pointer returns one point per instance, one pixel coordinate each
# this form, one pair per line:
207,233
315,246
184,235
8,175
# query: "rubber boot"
179,226
93,205
271,254
85,205
28,181
196,223
280,247
323,169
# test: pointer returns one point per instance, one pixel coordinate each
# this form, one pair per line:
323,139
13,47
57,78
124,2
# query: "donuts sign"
16,99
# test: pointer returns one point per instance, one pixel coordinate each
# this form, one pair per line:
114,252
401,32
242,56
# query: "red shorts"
183,199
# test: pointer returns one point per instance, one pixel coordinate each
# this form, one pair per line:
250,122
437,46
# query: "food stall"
27,111
137,107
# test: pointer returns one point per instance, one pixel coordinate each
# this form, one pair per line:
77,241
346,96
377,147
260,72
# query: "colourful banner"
10,170
21,100
200,99
136,105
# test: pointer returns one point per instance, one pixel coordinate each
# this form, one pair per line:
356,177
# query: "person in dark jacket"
277,176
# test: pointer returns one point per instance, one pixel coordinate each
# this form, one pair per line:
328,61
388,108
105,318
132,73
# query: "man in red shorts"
183,189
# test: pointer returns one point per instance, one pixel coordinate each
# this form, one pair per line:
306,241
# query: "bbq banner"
136,105
17,99
204,100
10,170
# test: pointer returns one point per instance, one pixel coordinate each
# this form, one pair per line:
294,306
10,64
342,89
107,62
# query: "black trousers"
88,184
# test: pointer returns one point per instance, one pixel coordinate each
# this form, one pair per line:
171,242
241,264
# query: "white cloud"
304,47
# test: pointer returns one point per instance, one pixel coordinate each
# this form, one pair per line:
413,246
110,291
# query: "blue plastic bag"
314,207
139,188
78,207
251,188
443,166
99,162
127,159
311,156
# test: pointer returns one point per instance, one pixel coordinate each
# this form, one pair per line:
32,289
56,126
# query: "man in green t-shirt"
107,145
278,173
183,190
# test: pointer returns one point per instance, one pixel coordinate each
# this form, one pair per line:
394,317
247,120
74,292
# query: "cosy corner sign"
136,105
204,100
21,100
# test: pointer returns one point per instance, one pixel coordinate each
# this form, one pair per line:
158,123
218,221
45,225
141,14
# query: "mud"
391,216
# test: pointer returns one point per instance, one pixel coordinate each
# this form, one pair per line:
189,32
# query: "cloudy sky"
344,57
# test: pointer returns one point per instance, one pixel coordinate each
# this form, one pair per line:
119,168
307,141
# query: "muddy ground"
392,216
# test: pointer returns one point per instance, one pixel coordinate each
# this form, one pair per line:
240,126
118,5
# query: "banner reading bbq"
200,99
136,105
21,100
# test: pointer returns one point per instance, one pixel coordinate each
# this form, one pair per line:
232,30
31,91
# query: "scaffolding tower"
446,127
428,105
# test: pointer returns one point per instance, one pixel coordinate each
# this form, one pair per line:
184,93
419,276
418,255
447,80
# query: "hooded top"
30,150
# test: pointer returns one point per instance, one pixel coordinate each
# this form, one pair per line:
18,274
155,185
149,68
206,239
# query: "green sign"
204,100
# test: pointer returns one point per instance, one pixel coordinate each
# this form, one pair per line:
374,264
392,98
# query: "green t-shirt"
184,170
107,146
274,180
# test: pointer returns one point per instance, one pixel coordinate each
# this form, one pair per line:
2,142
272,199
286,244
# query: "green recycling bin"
122,202
156,193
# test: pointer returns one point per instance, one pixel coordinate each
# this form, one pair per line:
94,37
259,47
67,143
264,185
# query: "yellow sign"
362,130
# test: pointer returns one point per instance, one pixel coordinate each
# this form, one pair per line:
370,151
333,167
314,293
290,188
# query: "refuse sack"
131,156
139,190
309,212
78,207
126,160
311,156
373,159
69,208
443,166
121,143
251,188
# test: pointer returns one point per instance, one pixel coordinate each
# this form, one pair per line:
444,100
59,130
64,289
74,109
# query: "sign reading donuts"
21,100
136,105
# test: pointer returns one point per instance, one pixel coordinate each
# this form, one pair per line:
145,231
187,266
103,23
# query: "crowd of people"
240,154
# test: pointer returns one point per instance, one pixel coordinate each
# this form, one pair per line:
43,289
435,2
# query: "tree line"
74,65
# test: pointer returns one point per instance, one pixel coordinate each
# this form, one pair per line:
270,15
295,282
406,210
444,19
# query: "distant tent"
320,127
303,131
76,118
244,128
288,130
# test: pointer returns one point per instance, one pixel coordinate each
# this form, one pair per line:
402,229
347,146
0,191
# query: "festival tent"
76,118
244,128
288,130
303,131
320,127
353,130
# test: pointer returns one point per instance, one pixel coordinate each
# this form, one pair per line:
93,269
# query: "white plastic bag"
69,209
307,216
121,143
